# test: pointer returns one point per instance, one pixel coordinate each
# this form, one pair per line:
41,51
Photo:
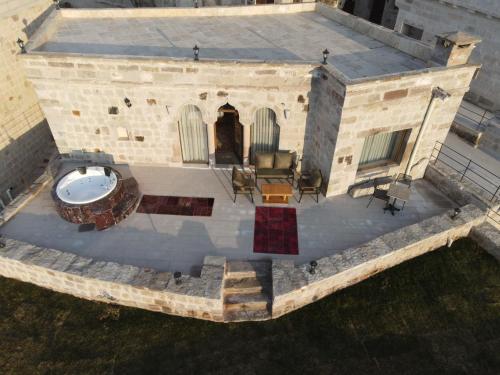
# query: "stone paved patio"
180,242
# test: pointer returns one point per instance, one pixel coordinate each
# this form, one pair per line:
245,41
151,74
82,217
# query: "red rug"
165,205
275,231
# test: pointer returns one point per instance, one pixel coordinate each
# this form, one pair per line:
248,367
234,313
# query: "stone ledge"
295,286
488,237
199,297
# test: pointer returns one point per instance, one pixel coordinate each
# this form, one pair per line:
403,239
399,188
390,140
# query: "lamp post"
196,52
325,56
20,43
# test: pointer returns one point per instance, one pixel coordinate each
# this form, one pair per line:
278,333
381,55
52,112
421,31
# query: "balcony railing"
468,169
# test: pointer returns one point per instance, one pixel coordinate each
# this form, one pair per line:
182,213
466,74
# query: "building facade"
424,19
25,137
142,97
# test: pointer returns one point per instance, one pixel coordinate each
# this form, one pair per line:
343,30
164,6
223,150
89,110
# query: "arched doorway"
193,135
264,133
228,136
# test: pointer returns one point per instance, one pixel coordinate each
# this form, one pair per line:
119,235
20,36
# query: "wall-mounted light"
127,102
325,56
455,213
20,43
196,52
56,3
312,267
177,277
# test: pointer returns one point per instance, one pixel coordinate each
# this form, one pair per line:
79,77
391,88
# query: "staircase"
247,291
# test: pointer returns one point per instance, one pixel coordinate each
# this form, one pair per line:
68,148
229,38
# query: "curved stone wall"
295,286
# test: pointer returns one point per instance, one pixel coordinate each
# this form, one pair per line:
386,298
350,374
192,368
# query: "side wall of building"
24,134
76,94
429,16
391,104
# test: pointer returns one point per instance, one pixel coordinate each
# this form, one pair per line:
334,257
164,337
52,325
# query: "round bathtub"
79,188
95,195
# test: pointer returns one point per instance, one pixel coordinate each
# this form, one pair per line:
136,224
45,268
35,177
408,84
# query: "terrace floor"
179,243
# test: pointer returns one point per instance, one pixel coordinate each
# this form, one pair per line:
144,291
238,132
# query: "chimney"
453,48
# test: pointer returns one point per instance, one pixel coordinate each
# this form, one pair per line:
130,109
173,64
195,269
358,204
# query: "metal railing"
486,180
476,117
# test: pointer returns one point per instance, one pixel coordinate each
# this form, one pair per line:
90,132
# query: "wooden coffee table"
276,193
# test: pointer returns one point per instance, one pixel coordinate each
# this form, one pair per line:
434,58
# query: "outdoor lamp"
312,267
128,102
56,3
325,56
20,43
196,51
177,277
455,213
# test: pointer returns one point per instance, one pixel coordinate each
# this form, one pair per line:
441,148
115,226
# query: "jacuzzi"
78,188
95,195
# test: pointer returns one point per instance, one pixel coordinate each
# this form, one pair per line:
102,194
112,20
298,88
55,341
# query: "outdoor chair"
242,183
404,179
379,194
310,183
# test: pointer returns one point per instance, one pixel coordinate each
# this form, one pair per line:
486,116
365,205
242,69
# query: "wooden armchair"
242,183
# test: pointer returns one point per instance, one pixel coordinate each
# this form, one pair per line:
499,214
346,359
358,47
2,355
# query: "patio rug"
166,205
275,231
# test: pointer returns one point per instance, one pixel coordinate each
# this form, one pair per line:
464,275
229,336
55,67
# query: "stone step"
255,301
247,285
245,316
245,269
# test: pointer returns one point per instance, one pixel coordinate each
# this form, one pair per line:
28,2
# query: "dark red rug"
165,205
275,231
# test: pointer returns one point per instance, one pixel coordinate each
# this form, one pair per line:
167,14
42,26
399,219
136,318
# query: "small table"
397,191
276,193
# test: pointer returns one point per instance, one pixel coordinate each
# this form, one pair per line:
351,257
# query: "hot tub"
78,188
95,195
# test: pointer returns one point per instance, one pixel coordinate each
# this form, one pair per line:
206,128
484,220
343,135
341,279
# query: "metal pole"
466,169
437,93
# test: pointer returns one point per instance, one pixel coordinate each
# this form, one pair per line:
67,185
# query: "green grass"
438,314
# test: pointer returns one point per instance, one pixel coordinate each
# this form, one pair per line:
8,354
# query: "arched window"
193,135
265,132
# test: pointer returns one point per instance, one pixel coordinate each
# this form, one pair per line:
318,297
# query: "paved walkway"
179,242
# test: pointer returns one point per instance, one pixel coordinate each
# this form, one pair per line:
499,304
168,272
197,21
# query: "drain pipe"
437,93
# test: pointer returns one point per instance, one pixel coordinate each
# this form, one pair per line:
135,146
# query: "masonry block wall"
391,104
478,17
77,93
24,134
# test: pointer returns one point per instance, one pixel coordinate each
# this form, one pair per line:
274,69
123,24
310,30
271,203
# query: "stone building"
424,19
24,134
381,12
123,85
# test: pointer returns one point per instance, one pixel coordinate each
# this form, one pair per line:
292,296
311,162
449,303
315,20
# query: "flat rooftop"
179,243
295,37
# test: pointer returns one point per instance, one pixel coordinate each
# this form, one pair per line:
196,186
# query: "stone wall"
25,138
390,104
460,15
77,93
295,286
197,297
